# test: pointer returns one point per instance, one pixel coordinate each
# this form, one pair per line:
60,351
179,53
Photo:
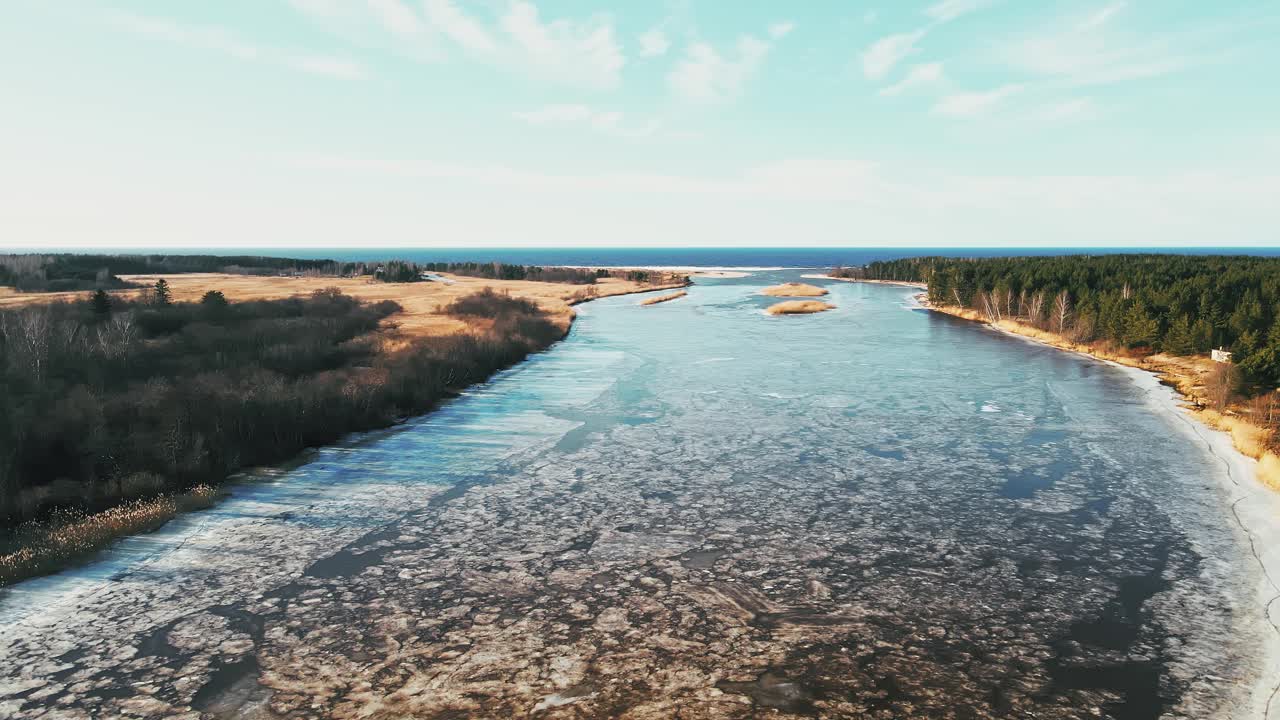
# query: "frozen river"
694,510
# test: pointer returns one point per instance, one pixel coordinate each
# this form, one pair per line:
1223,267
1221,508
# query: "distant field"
420,300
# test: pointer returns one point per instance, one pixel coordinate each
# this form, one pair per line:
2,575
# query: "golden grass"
1268,470
1184,373
794,289
799,307
421,301
41,547
664,298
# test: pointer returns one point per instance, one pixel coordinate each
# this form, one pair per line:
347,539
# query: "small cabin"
1220,355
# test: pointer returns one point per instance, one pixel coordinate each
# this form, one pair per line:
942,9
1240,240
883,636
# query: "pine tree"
101,303
214,299
162,296
1139,327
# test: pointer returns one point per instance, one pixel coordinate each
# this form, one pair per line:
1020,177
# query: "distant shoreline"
900,283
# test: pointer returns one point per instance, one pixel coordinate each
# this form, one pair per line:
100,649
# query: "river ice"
694,510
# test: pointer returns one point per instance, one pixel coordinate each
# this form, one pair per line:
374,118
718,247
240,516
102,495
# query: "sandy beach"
690,270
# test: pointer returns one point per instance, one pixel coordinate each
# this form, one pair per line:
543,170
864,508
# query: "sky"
509,123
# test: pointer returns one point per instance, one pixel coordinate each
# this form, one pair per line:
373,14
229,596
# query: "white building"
1220,355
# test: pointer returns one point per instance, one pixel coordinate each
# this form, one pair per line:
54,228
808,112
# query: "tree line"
405,271
68,272
108,399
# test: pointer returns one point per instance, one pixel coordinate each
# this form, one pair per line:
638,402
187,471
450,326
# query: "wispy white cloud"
577,52
948,10
885,53
654,43
1065,111
205,38
511,34
1103,16
781,29
459,27
920,76
320,9
397,17
973,104
223,41
605,122
705,74
328,66
1087,50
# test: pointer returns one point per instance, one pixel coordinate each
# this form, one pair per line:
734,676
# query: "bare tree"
1061,310
27,335
1265,409
116,335
990,305
1035,307
1221,385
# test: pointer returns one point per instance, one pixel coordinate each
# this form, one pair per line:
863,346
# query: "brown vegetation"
664,298
41,546
799,307
793,289
419,302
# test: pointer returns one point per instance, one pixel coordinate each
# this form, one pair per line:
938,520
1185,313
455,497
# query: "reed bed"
40,547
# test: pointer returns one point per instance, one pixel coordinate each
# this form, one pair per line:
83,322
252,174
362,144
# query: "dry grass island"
799,307
794,289
664,298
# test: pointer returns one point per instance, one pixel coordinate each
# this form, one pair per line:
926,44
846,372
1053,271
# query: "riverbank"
1185,374
392,378
1252,472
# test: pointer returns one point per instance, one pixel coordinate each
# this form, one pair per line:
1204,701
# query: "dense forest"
1181,304
403,271
106,399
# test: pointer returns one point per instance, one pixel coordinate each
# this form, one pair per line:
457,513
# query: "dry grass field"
794,290
799,307
421,301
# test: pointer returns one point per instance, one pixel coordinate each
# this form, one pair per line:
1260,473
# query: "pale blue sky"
382,123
